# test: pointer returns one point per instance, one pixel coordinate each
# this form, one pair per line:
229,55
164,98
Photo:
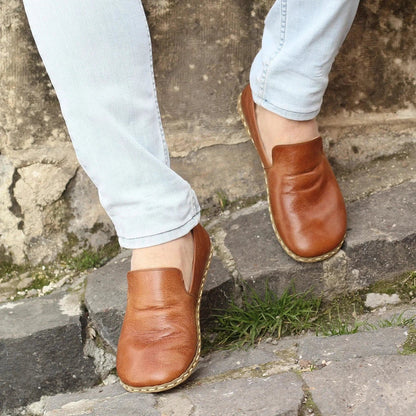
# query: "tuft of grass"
222,199
395,321
258,317
40,281
339,327
338,317
265,316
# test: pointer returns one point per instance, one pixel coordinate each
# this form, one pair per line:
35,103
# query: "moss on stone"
70,263
409,346
308,405
88,258
8,270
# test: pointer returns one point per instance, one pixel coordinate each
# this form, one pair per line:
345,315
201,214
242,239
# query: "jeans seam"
155,101
265,73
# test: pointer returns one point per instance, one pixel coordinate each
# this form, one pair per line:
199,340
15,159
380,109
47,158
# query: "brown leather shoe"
160,340
305,203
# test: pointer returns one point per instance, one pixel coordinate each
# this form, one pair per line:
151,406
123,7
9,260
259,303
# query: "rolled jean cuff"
154,240
291,115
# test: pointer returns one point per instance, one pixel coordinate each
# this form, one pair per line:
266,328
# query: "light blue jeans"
98,56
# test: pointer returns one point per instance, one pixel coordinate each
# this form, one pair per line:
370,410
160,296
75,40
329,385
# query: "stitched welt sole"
192,366
285,248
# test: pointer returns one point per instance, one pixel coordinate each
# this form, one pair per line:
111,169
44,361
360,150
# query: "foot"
160,340
305,203
177,253
276,130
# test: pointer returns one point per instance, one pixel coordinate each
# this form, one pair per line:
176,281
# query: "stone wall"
202,53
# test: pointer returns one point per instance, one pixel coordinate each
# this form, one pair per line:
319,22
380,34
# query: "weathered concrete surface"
37,213
209,399
101,401
380,243
266,359
368,386
373,73
375,70
299,376
234,171
385,341
225,397
41,349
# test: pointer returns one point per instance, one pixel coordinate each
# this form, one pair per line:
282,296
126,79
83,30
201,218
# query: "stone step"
380,244
366,157
46,346
361,374
43,344
41,349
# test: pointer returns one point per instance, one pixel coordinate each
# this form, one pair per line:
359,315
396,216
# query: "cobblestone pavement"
361,374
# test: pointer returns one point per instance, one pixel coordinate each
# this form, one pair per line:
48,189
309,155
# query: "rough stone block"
227,362
260,258
278,395
381,239
380,244
105,298
385,341
101,401
41,349
376,300
381,385
236,172
219,290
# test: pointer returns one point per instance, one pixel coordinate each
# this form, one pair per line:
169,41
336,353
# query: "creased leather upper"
158,339
305,200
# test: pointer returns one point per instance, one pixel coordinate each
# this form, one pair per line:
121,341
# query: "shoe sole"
184,376
281,242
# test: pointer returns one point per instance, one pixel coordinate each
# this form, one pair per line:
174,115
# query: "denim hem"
290,115
160,238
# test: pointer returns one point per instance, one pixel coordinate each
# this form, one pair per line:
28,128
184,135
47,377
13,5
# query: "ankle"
177,253
277,130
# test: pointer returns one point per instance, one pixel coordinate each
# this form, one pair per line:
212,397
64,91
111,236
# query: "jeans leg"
301,39
98,56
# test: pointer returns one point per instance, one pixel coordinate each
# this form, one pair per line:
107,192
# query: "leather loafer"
306,206
160,340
